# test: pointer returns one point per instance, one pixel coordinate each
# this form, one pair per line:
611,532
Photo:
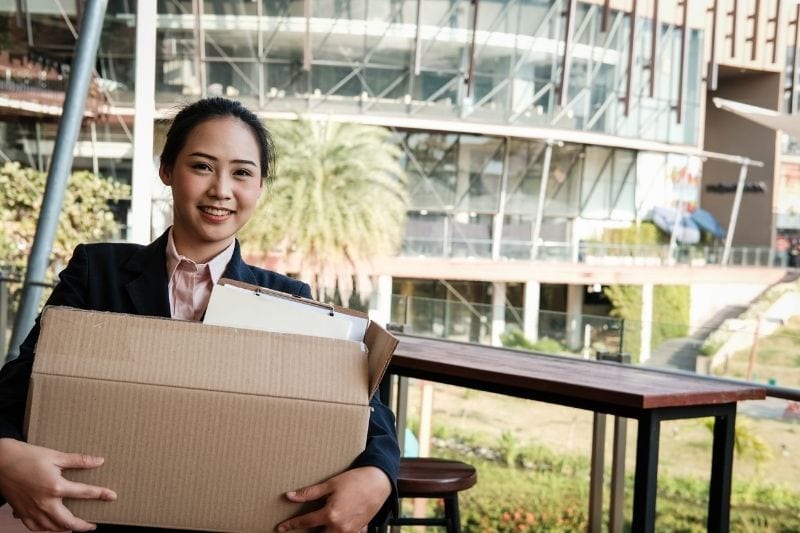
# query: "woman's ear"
165,174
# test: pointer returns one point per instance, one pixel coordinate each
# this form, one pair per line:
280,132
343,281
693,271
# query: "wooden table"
647,395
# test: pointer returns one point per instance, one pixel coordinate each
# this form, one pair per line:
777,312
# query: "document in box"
239,307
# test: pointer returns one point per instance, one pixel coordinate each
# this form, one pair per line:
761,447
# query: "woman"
216,159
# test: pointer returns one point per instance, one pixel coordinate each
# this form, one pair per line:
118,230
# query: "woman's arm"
364,494
30,476
15,375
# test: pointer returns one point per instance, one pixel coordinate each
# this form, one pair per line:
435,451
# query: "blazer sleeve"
382,449
15,375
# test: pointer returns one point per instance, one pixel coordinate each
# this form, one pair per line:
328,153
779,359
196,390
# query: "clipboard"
240,305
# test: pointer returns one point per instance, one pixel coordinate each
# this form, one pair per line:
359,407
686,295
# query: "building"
527,126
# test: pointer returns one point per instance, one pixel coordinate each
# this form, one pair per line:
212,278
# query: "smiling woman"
215,187
216,158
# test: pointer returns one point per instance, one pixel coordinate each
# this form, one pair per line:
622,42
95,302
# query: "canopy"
686,231
708,222
789,124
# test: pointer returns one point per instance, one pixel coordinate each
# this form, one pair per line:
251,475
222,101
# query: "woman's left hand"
351,500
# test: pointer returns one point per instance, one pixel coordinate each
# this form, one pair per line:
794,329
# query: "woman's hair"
194,114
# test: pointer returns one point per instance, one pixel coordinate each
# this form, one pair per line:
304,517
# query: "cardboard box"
201,427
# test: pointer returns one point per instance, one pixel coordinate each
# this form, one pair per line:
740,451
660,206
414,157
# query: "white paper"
241,308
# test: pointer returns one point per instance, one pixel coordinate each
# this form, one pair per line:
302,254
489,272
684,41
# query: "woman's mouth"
215,214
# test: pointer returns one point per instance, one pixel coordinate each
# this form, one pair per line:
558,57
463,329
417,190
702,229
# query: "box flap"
381,345
157,351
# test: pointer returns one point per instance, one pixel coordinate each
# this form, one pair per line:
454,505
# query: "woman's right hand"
31,482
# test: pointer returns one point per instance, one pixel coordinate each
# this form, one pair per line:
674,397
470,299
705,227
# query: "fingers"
71,489
57,518
41,523
306,521
78,460
70,522
309,494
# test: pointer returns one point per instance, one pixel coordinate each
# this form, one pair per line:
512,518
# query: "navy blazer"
131,278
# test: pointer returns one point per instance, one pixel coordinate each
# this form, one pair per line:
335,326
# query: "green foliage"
670,313
671,305
543,490
711,346
339,200
513,337
85,214
644,233
627,305
746,443
509,447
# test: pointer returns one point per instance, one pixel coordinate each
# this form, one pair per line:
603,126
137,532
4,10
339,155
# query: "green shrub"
644,233
543,490
671,305
513,337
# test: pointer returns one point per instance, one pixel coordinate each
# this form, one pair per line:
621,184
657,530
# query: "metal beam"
417,41
307,36
713,66
604,20
680,104
566,60
793,99
753,39
631,56
654,49
537,228
734,15
497,230
774,21
737,202
471,67
200,46
67,135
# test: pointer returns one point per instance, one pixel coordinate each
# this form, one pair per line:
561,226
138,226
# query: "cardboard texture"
201,427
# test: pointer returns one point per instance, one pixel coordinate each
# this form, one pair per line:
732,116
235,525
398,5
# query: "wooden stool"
425,477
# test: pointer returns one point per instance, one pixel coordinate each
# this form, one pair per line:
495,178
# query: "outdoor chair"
433,478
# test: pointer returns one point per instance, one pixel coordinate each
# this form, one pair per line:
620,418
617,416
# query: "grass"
777,357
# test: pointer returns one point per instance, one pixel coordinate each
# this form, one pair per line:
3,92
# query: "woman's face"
216,183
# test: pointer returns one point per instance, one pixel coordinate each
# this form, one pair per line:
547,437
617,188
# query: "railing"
456,319
10,285
8,291
472,419
595,253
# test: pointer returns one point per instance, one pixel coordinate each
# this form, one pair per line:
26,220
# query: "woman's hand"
31,482
351,500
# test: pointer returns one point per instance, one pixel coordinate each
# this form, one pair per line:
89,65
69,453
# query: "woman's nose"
221,187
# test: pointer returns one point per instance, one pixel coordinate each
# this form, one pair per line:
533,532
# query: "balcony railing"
594,253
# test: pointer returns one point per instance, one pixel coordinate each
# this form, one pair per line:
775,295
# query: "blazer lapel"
148,291
237,269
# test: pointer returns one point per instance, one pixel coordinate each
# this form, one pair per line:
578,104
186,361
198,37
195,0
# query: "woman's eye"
243,173
201,166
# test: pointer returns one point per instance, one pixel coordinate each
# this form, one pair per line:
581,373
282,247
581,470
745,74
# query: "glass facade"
478,196
471,195
363,56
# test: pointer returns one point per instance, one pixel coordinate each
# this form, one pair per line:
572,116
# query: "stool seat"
426,476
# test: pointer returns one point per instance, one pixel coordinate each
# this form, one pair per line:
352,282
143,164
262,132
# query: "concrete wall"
709,299
730,134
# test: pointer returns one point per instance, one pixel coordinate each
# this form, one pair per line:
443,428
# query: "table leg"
616,513
646,476
596,474
721,471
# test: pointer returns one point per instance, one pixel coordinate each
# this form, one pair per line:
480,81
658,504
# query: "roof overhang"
769,118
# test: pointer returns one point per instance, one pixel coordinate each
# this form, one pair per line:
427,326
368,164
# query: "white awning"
789,124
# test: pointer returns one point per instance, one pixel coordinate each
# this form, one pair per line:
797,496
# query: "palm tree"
339,200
